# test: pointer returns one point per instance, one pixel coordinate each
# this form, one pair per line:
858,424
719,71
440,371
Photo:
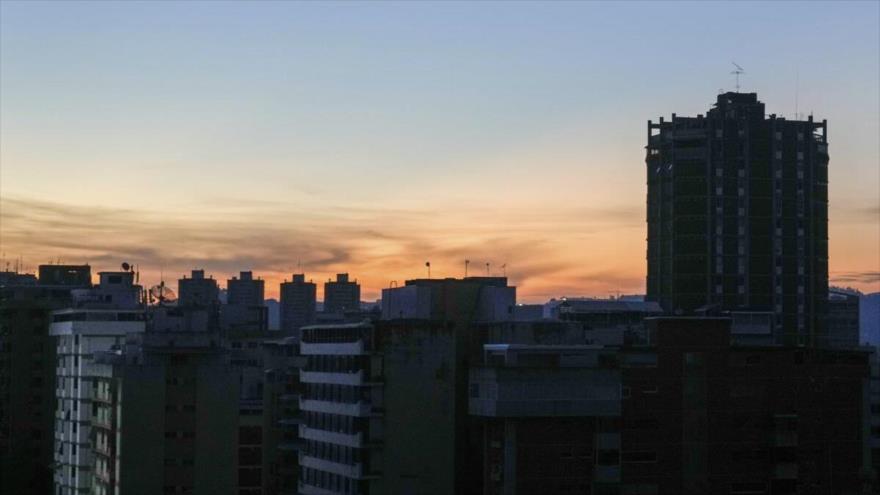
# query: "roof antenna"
797,87
739,70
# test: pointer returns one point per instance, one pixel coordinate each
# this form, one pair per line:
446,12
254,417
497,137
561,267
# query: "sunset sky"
372,137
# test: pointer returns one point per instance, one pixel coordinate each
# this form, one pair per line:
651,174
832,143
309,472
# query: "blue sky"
450,129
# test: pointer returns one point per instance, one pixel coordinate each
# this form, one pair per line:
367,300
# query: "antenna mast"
739,70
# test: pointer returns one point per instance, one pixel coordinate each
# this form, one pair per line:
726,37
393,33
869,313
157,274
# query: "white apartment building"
100,319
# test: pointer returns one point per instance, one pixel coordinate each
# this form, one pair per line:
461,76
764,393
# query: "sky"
370,138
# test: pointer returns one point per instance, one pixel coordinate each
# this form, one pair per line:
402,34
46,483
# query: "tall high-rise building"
297,303
245,290
164,412
385,402
341,295
245,309
198,290
27,374
99,320
737,214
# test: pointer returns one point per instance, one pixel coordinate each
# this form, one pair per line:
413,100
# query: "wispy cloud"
376,245
862,278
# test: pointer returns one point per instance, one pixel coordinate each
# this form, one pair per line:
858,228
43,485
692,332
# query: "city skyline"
299,138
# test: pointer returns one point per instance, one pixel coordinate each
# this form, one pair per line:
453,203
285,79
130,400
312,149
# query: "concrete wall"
419,454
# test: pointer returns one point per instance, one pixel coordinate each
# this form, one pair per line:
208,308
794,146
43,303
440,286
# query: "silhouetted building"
68,275
843,319
281,415
165,412
470,299
245,290
27,377
688,413
341,295
198,291
385,402
874,396
297,303
703,416
246,361
380,408
549,417
245,309
608,321
737,215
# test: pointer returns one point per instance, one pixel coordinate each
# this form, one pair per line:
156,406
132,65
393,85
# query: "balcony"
306,489
354,471
355,440
336,378
540,392
359,409
340,348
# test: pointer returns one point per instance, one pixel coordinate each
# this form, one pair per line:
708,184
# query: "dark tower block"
737,214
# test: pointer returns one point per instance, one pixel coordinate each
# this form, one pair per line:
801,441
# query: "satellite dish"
125,266
161,294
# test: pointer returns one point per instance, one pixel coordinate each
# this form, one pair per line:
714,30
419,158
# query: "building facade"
298,302
198,290
245,290
843,319
737,214
165,415
27,373
341,295
686,413
282,417
100,319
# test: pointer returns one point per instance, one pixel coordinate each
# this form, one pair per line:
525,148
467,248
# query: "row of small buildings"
451,388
